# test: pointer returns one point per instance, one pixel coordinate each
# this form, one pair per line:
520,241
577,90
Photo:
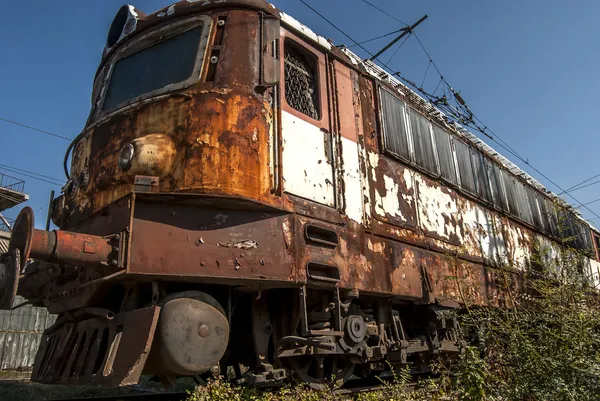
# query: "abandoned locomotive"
246,194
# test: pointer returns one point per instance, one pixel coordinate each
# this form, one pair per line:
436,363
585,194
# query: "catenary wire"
383,11
32,176
34,129
575,187
377,37
30,172
497,139
398,48
484,130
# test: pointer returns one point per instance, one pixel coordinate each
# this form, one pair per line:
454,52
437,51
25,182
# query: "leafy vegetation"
544,347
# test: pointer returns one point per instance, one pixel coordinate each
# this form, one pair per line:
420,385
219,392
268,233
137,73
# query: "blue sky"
528,69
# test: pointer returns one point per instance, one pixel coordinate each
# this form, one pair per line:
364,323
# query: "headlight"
126,157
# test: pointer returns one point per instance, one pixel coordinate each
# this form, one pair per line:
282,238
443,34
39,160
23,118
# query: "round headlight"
126,157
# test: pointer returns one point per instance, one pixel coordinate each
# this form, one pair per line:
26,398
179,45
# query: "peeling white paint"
549,253
390,202
306,170
595,273
481,234
435,208
132,11
373,163
517,255
366,186
294,23
377,247
352,185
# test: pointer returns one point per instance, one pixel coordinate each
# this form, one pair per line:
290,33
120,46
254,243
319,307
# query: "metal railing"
4,227
11,183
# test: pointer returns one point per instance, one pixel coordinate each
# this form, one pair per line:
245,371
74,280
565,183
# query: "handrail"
11,183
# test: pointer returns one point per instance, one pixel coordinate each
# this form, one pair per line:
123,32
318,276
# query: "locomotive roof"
382,76
365,66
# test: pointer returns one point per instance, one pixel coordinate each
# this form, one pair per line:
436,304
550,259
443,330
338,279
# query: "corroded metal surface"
98,351
232,185
214,244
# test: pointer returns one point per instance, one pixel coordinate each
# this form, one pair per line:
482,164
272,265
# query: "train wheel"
318,371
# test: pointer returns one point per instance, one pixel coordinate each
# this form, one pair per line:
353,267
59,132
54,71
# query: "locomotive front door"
307,156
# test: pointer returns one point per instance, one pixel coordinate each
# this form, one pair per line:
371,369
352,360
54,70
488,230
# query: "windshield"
168,62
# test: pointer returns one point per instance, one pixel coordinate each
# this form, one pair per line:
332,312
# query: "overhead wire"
383,11
587,203
397,48
484,130
57,183
575,187
30,172
584,186
35,129
376,37
336,27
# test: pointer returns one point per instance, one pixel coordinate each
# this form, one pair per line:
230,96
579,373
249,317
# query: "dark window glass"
443,142
169,62
482,181
423,142
536,216
394,125
574,232
301,81
523,202
498,193
550,217
465,169
585,239
511,193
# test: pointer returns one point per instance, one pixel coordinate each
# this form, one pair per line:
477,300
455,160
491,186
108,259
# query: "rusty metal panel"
406,272
392,191
98,351
212,243
217,134
20,334
390,185
349,152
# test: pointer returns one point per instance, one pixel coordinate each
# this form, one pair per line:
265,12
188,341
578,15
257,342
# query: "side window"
548,209
465,168
511,193
395,127
425,155
482,181
301,75
523,202
535,210
497,184
443,142
585,239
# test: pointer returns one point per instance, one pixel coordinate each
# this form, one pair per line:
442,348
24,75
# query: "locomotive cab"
246,195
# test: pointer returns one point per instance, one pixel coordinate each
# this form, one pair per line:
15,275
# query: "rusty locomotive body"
246,194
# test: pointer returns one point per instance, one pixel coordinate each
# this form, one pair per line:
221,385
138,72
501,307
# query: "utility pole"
405,31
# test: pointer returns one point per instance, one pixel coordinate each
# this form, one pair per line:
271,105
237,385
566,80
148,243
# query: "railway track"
171,396
181,396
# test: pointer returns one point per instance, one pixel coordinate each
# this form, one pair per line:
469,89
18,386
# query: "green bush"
546,347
